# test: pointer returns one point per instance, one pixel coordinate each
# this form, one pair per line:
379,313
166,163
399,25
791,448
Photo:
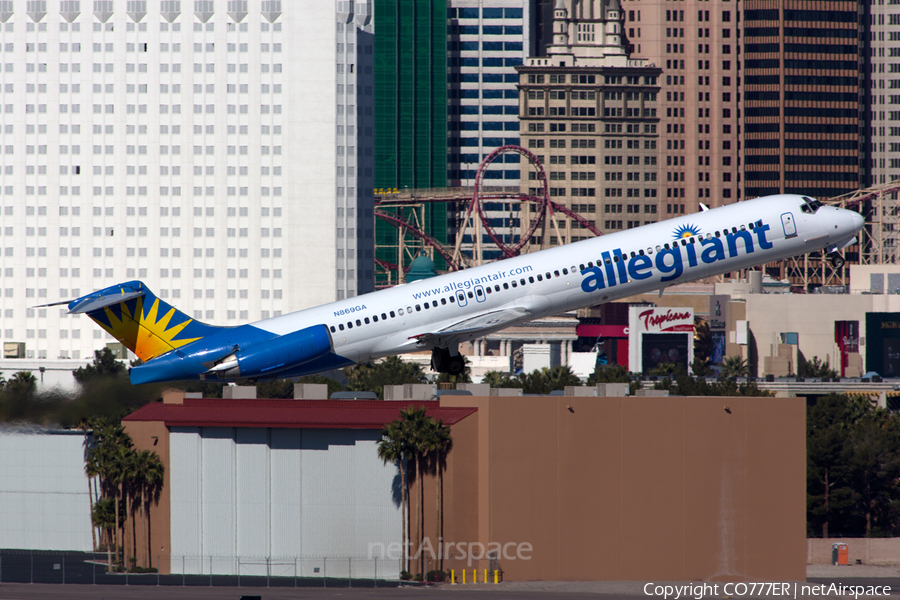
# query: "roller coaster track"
879,242
476,218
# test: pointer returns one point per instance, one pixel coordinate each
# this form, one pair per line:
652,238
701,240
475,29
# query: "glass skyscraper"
410,110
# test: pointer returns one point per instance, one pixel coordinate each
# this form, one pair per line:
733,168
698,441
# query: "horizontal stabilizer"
60,303
93,302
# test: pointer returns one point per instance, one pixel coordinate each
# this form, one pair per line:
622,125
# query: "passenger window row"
533,278
452,299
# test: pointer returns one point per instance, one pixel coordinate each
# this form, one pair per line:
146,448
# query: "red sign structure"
660,336
670,320
846,336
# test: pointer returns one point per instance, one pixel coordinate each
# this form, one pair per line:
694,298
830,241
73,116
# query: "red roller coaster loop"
479,197
543,210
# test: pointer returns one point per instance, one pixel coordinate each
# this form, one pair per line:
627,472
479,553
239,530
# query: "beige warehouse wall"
634,488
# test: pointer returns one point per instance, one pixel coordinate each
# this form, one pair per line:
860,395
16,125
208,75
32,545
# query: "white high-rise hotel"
220,151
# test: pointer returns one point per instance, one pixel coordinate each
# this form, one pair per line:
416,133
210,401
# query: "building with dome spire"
589,112
591,32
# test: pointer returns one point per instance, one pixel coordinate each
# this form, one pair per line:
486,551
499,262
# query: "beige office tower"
801,88
879,51
589,112
696,45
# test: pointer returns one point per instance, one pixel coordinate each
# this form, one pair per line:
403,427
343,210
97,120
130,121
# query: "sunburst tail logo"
148,326
685,231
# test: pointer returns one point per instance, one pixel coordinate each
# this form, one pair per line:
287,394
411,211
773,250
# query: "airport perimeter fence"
339,571
34,566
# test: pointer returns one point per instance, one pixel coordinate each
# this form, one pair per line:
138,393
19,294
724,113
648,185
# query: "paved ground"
537,590
830,571
476,592
509,591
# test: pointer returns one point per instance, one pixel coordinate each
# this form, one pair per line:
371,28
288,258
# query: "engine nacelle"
273,356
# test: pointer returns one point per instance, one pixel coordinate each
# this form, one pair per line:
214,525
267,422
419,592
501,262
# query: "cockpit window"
810,205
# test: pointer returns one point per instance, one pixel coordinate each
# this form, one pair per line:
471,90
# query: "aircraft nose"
858,221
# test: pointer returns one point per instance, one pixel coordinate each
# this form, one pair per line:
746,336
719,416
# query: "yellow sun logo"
147,335
686,231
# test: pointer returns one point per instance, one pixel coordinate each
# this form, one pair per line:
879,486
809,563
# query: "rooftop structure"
291,414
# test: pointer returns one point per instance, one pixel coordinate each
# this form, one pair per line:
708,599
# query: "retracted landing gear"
443,361
837,261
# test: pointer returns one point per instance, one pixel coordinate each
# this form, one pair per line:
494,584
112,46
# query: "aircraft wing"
473,325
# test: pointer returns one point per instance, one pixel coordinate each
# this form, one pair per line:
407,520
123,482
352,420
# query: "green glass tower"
410,113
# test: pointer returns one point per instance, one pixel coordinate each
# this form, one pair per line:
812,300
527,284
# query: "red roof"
320,414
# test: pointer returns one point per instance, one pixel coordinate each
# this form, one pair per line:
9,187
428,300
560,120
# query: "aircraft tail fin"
146,325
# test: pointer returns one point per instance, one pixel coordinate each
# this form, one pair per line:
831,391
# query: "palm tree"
560,377
414,423
134,482
102,459
114,450
393,449
23,382
702,341
417,436
496,379
117,474
492,378
440,443
102,517
149,485
90,469
733,367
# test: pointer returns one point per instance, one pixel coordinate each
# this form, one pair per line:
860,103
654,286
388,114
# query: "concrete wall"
631,488
871,551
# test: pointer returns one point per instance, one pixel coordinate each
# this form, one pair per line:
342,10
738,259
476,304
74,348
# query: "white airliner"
437,314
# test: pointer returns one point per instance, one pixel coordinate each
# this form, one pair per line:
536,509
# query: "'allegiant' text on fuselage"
670,261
